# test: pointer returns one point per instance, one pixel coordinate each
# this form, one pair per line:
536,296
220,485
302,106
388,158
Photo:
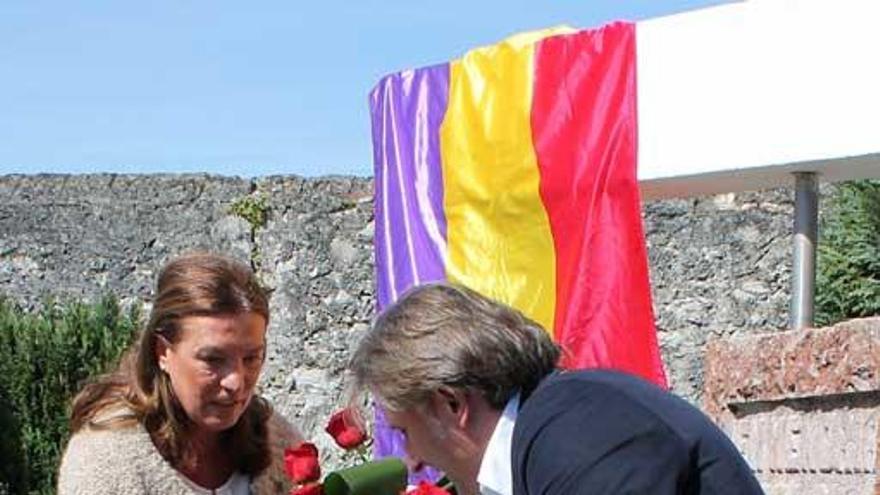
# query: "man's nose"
413,464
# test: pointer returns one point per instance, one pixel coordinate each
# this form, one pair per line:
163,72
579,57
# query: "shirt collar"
496,474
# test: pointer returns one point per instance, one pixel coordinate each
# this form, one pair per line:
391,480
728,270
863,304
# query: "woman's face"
214,366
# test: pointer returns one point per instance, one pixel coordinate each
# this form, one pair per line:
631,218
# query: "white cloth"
496,473
237,484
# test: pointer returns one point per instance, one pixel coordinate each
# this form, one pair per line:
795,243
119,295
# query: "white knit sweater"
126,462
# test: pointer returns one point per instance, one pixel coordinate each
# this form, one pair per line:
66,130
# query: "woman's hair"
139,392
442,334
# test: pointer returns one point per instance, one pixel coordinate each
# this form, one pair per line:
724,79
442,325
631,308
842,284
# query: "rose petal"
425,488
346,429
301,463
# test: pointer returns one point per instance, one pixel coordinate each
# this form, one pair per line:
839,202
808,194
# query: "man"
473,386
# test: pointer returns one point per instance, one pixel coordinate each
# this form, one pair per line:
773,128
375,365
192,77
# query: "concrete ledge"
802,406
841,359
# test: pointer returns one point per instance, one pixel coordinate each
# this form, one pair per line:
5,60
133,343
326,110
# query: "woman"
179,415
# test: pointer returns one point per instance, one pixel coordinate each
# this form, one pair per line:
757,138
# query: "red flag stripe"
584,130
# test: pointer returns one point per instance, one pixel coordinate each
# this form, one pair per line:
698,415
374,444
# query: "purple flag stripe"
410,238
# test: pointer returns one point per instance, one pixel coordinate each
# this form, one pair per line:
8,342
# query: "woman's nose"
234,379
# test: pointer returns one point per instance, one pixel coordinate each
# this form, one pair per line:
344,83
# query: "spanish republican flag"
513,171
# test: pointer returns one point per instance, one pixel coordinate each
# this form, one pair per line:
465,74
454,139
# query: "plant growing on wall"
254,209
848,276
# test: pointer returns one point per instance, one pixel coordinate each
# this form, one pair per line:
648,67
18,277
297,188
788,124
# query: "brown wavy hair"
137,392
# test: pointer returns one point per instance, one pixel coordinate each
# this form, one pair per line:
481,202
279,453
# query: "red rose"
310,489
301,463
425,488
346,429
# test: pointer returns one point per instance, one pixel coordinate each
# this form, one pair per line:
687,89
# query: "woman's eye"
253,360
213,360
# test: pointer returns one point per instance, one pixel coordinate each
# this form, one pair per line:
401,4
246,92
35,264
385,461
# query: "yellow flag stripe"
498,232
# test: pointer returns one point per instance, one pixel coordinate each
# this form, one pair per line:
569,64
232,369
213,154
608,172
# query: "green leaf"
44,357
849,254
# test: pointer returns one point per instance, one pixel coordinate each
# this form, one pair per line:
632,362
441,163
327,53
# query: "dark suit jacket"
603,432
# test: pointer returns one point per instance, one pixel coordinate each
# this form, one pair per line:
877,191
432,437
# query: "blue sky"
231,87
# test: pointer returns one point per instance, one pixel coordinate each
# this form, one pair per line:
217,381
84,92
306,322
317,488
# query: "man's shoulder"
589,400
577,420
610,384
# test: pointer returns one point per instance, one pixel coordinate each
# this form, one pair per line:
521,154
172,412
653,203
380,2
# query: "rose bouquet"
383,477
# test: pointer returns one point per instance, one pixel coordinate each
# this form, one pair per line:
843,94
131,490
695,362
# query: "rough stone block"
803,406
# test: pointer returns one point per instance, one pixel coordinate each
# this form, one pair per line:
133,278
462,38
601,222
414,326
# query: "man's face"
427,439
449,431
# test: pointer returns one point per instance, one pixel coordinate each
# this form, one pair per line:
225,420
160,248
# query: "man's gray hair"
444,334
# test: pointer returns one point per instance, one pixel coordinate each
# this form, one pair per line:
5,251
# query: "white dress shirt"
496,473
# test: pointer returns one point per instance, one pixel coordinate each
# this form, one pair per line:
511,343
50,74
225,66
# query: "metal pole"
806,213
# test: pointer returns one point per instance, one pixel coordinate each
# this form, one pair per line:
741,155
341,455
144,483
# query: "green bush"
848,277
44,358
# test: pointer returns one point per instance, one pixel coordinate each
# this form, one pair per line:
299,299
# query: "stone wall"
719,265
78,236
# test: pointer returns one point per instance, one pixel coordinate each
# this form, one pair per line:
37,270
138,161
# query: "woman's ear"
162,348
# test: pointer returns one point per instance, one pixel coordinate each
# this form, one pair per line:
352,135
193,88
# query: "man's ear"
451,405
